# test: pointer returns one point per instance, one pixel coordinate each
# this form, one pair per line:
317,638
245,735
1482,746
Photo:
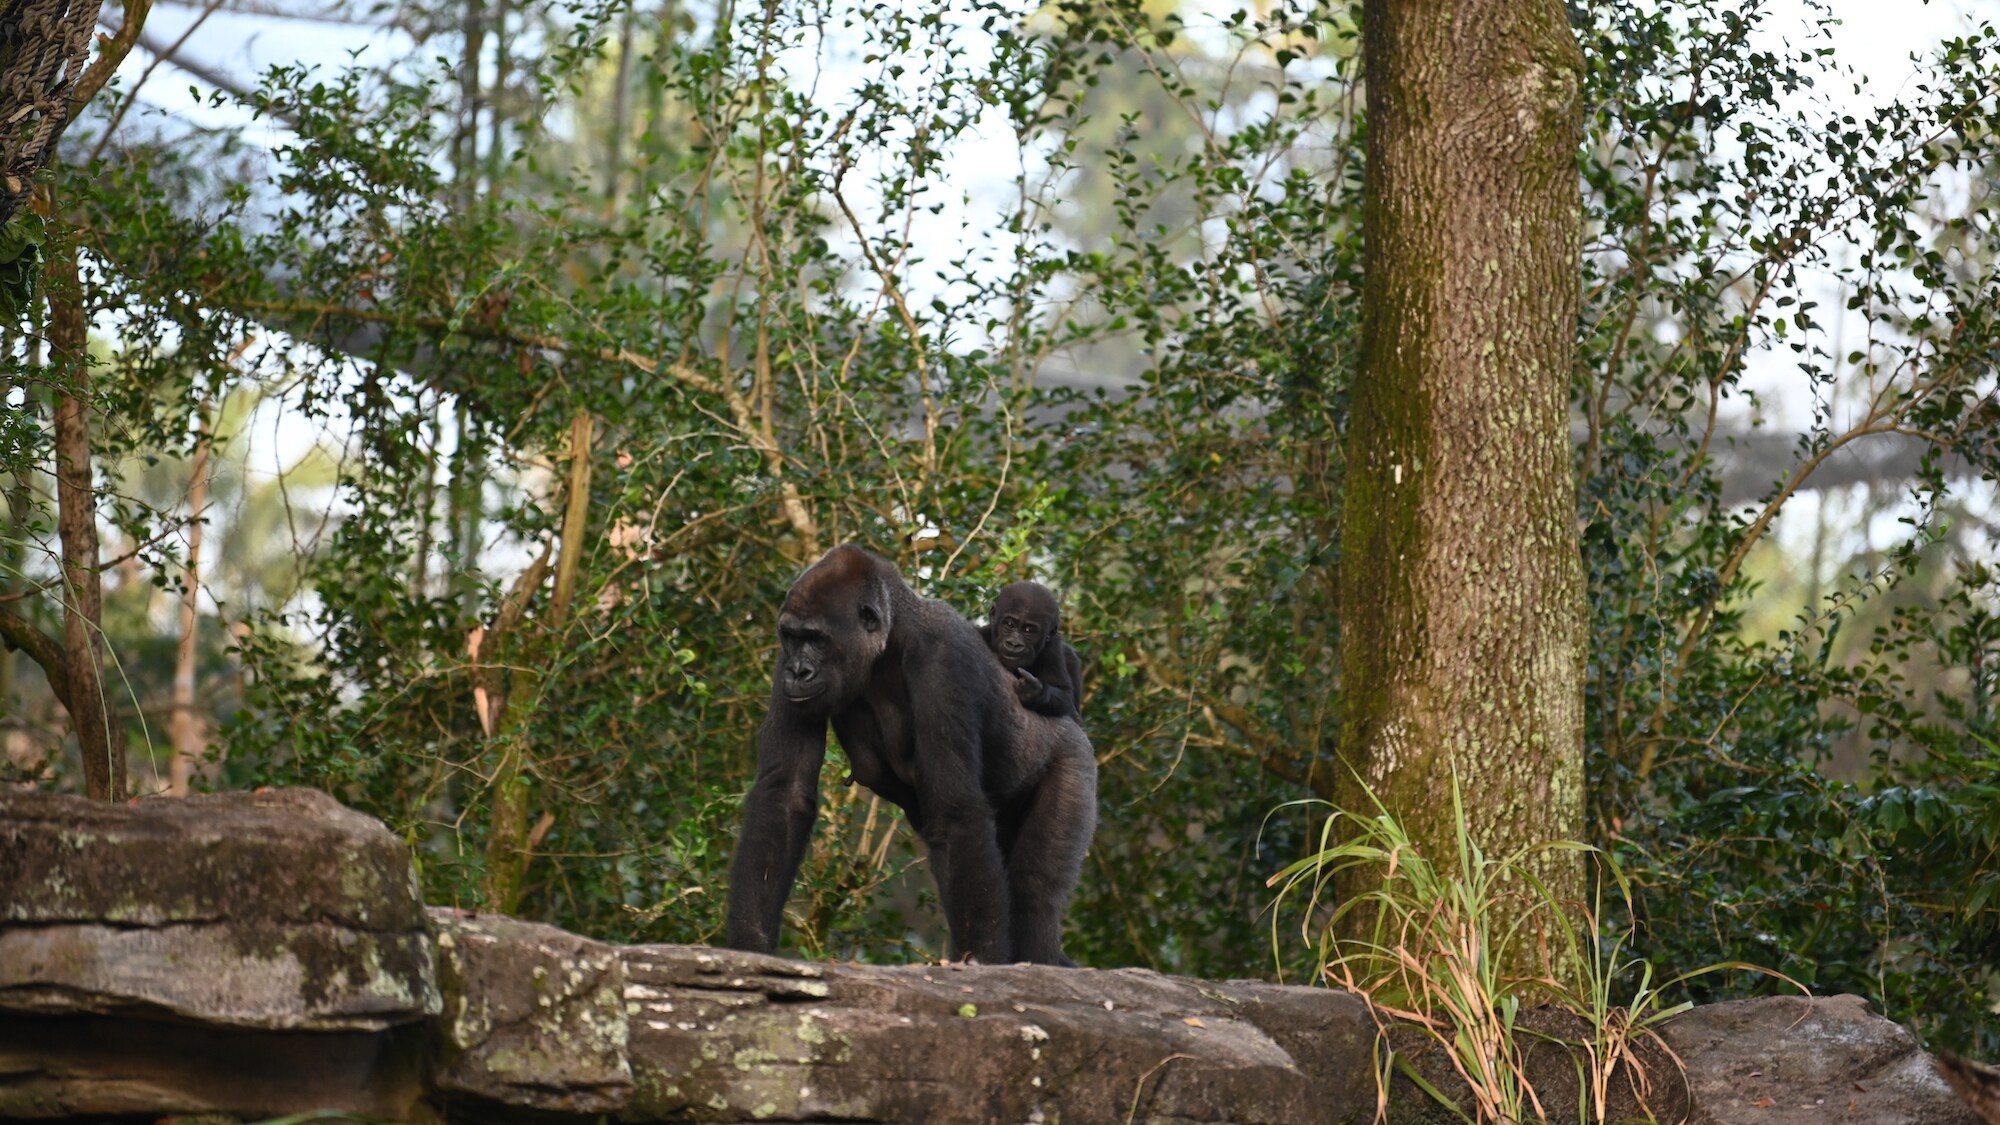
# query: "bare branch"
21,634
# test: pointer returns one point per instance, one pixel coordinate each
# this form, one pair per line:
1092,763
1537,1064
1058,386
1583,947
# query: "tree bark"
1462,587
18,634
186,735
465,145
576,515
99,735
11,555
465,509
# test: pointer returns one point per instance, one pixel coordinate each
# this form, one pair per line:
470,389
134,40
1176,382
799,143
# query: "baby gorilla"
1024,630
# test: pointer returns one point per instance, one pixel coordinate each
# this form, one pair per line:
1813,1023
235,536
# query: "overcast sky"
1876,35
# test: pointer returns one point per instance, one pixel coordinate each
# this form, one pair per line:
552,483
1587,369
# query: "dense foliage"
607,317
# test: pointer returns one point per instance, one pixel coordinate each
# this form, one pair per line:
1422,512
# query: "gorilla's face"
1024,617
830,634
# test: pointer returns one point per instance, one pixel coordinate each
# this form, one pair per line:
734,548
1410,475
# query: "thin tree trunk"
99,735
188,743
1462,589
465,158
465,509
496,98
6,680
17,633
11,558
427,505
621,108
510,842
576,511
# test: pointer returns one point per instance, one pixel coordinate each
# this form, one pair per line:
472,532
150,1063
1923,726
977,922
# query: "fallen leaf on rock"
1194,1021
1763,1103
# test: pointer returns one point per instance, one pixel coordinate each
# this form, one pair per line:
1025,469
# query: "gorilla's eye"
1029,628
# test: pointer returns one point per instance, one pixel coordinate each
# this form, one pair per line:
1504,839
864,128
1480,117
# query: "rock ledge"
254,955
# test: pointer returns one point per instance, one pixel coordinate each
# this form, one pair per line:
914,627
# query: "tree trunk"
621,111
1462,587
76,670
98,734
465,145
465,510
187,737
510,842
12,539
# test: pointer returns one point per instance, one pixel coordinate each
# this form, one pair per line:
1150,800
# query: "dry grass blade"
1442,959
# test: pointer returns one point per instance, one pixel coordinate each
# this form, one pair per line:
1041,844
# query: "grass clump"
1455,950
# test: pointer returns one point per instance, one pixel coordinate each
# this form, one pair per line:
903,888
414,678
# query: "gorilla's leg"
958,828
1047,853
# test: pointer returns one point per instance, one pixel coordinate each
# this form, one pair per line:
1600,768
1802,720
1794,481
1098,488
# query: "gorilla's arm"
778,815
1073,665
1053,684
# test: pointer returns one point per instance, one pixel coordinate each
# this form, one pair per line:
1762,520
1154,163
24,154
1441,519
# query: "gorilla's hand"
1026,687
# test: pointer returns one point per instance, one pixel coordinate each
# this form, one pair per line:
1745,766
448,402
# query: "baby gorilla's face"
1024,617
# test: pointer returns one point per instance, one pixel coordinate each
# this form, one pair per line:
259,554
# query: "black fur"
1005,799
1024,630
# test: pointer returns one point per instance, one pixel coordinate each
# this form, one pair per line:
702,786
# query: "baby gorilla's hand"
1026,686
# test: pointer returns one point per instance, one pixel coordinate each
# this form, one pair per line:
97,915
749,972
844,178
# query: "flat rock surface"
723,1036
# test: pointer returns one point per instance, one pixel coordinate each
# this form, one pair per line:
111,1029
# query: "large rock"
280,910
533,1017
251,954
1788,1060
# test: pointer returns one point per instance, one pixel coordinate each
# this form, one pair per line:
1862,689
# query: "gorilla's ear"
870,620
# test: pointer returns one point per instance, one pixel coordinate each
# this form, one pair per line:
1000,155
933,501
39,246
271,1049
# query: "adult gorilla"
1005,799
